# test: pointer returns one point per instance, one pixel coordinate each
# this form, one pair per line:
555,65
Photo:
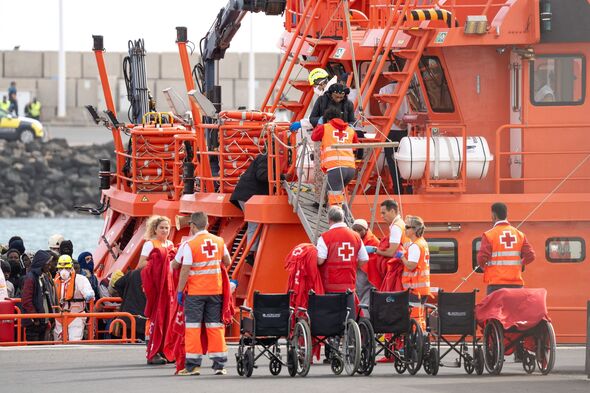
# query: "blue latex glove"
295,126
398,255
180,298
88,297
371,249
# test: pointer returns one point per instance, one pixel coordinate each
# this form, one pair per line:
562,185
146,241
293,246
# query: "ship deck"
97,368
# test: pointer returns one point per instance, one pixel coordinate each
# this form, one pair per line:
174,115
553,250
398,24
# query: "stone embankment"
47,179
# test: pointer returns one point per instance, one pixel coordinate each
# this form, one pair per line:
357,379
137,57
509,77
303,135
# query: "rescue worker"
33,109
416,274
397,236
339,164
320,80
4,104
73,291
156,236
201,278
340,252
368,275
504,252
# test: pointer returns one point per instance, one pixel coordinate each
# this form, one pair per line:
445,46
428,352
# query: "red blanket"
392,280
174,345
302,265
522,308
158,291
376,267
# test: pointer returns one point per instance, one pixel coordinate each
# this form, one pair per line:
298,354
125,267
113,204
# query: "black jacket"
324,101
252,182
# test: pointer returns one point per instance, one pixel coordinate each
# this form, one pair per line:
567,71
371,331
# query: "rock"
21,200
11,177
7,212
83,159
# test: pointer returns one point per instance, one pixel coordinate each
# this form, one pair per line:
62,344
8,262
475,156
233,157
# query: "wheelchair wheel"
351,347
468,364
545,353
529,362
367,347
400,366
240,358
493,346
478,360
275,366
248,362
301,347
291,366
414,342
337,365
431,362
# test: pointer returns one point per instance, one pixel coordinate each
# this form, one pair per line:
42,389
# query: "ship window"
443,255
475,245
565,249
558,80
435,82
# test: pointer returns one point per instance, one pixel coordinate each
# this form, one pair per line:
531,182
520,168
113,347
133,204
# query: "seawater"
83,232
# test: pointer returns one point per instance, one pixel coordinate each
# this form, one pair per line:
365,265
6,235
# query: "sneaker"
220,371
385,359
156,360
185,373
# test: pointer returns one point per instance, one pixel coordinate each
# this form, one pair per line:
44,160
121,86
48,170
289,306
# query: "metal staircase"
313,217
236,249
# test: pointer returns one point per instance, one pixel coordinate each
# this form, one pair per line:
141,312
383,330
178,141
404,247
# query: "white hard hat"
55,240
361,223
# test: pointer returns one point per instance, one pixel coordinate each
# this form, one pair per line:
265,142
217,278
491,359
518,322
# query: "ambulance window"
565,249
435,82
443,255
558,80
475,245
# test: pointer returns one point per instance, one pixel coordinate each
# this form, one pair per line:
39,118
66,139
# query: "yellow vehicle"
23,129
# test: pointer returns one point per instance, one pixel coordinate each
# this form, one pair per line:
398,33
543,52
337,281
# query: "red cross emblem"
507,239
209,248
341,135
298,251
345,251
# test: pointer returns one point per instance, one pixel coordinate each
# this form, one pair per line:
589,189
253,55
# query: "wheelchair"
390,330
536,344
270,319
455,316
329,320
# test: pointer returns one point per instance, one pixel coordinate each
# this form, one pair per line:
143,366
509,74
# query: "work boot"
156,360
250,259
220,371
185,372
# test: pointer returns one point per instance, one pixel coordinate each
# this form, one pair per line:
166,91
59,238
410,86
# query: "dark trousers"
36,332
492,288
394,136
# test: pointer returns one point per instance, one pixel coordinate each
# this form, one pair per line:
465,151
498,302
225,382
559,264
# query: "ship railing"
550,153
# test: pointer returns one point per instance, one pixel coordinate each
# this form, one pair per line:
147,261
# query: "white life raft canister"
446,154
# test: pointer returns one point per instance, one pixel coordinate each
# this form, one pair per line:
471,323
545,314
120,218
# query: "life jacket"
336,158
505,265
205,274
339,270
70,288
418,280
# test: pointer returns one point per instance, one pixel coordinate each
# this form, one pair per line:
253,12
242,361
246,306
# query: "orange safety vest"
418,280
336,158
70,287
505,265
205,274
404,241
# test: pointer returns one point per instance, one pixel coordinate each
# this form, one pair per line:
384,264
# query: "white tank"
446,154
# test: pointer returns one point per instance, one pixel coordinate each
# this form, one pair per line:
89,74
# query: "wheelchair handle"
363,306
244,308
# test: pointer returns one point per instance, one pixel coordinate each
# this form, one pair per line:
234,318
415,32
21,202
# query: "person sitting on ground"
254,181
36,298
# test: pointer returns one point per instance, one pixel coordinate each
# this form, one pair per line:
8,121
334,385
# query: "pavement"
122,368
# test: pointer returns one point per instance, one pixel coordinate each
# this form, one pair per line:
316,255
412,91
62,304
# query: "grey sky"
33,24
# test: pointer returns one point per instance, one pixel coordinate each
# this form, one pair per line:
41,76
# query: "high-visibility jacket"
65,290
418,280
336,158
5,105
205,274
339,270
505,264
35,109
405,240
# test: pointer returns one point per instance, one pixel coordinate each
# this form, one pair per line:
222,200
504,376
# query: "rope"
354,67
537,207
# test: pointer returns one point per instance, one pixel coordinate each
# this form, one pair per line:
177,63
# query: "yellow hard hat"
316,74
65,262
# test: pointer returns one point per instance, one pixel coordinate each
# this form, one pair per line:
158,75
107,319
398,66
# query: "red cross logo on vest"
345,251
507,239
209,248
341,135
298,251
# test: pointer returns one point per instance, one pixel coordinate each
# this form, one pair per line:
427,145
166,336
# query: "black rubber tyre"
240,358
291,366
301,347
26,135
529,362
367,347
545,353
399,366
275,366
479,361
414,342
469,364
337,365
248,362
493,346
351,347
